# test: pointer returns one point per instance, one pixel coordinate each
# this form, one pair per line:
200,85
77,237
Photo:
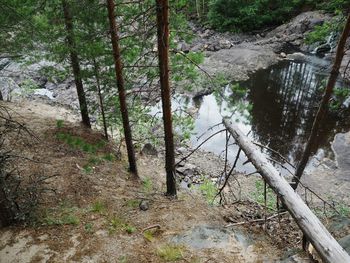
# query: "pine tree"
68,20
121,88
163,59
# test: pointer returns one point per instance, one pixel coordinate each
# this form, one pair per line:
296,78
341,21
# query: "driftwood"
324,243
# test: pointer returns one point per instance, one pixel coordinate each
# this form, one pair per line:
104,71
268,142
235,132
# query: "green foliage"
148,235
118,224
98,207
122,259
89,227
170,252
343,209
319,34
88,169
209,190
77,142
63,215
322,32
258,196
108,157
147,185
340,94
237,15
333,5
59,124
29,86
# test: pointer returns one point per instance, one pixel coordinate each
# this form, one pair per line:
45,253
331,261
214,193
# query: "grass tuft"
170,252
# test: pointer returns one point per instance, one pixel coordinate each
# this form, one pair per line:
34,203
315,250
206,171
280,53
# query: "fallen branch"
256,220
324,243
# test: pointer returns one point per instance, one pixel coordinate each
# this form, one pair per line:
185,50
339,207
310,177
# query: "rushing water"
277,108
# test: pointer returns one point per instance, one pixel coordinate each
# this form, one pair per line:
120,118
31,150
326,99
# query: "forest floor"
94,216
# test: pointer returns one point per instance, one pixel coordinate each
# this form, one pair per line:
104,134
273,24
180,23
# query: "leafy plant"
29,86
340,94
89,227
98,207
88,169
59,123
61,216
119,224
108,157
147,185
209,190
258,195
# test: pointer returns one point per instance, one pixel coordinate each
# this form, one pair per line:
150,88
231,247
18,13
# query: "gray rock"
345,243
144,205
149,149
296,56
341,149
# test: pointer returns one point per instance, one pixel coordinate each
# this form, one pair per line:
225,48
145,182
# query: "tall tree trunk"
75,63
163,57
121,89
102,108
324,104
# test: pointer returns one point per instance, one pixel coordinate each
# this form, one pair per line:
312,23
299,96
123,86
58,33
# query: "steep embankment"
92,213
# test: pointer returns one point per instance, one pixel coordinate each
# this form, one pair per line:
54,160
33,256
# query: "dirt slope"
93,215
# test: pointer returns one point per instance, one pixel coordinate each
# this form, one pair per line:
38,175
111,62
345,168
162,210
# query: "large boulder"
298,26
237,63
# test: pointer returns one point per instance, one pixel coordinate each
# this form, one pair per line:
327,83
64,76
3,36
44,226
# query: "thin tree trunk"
324,104
163,57
75,64
121,89
1,98
97,77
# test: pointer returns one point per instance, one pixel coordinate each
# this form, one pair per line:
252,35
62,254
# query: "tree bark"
163,58
75,63
327,247
323,106
121,88
100,97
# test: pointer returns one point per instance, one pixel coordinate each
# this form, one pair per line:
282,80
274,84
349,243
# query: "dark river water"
276,107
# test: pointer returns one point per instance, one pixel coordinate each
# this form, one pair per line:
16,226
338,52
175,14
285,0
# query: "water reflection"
278,108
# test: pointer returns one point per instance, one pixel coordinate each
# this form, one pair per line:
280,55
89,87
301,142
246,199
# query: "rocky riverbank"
235,56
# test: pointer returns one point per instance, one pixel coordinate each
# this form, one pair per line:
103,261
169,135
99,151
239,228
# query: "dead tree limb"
324,243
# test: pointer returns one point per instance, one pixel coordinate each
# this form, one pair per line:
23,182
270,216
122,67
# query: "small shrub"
209,190
129,229
59,124
89,227
88,169
118,224
108,157
319,34
98,207
63,216
258,196
147,185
